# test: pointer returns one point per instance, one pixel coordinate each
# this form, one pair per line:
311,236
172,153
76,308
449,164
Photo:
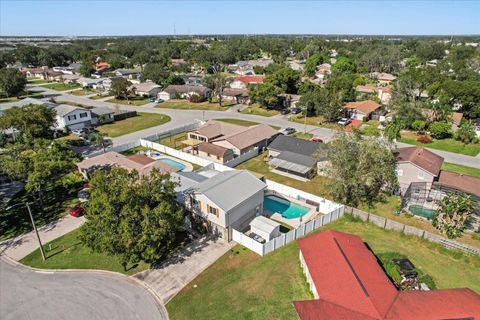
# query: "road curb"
158,301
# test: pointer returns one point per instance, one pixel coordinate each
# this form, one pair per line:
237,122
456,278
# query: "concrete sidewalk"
170,277
19,247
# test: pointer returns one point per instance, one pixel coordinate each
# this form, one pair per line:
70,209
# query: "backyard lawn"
469,171
135,101
61,86
173,141
243,285
67,252
259,111
244,123
451,145
317,185
129,125
186,105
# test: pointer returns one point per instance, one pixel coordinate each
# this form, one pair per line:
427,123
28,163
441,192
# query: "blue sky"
89,17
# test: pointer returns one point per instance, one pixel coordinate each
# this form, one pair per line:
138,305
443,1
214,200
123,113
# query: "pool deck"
188,165
295,223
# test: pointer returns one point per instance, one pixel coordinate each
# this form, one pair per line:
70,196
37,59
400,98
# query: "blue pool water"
173,163
284,207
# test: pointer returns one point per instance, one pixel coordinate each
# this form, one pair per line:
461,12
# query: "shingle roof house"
361,109
348,283
296,156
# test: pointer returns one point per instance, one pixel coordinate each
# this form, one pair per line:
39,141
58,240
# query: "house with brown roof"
240,139
347,282
416,164
213,152
361,109
383,78
141,163
147,89
237,95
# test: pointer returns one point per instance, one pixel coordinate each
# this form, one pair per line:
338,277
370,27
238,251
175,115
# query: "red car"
76,211
317,139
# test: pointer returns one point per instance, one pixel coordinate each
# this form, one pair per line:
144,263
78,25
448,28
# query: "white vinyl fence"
242,158
164,134
286,238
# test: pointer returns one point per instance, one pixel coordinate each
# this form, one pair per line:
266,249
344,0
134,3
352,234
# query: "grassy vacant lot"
243,284
61,86
129,125
67,252
259,111
134,101
244,123
450,145
186,105
469,171
317,185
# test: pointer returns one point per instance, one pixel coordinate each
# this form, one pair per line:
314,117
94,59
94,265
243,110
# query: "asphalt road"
181,117
26,294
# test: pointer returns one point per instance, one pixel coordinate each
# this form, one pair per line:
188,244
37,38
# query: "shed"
265,228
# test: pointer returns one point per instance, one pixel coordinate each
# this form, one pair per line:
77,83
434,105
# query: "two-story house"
223,200
72,118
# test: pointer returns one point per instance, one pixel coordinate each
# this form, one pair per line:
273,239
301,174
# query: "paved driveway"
27,294
169,278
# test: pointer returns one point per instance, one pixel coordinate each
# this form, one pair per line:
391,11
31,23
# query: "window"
212,210
73,117
420,176
83,115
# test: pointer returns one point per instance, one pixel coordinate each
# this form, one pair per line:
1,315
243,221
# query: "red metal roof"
250,79
351,285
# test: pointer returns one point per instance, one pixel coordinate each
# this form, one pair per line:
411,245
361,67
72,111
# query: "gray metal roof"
187,180
230,188
64,109
295,145
297,158
24,102
102,110
290,166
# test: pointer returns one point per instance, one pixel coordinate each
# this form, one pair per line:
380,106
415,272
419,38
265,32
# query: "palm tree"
99,138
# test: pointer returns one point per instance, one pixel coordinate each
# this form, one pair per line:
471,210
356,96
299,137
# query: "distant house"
361,109
295,157
347,282
193,80
244,81
383,78
213,152
102,115
147,89
237,138
72,118
223,200
383,93
235,95
183,91
178,62
128,73
107,83
142,164
102,66
243,68
69,78
43,73
415,164
290,100
75,67
90,83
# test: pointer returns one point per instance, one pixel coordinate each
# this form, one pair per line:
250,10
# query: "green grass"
83,92
186,105
244,123
135,101
450,145
173,141
129,125
97,97
318,185
469,171
259,111
243,284
67,252
29,94
61,86
37,81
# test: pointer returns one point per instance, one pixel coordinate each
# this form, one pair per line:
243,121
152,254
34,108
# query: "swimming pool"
173,163
287,209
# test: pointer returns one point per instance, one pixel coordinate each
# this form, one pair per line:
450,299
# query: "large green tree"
132,216
121,89
361,169
311,64
12,82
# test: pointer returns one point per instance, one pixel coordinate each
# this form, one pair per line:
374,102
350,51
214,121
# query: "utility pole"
36,232
305,121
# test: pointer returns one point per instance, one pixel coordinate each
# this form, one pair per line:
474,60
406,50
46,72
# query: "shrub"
195,98
439,130
418,125
424,139
453,214
466,133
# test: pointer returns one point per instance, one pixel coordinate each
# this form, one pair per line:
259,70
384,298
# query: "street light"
34,228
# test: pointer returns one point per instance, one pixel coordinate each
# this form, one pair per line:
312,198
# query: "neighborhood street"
44,295
181,117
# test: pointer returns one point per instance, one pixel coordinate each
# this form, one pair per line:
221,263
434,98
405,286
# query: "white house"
147,89
72,118
183,91
223,200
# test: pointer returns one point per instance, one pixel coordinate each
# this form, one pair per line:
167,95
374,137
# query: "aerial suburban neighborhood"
301,161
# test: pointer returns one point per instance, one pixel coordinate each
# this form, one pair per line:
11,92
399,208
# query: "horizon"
195,18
